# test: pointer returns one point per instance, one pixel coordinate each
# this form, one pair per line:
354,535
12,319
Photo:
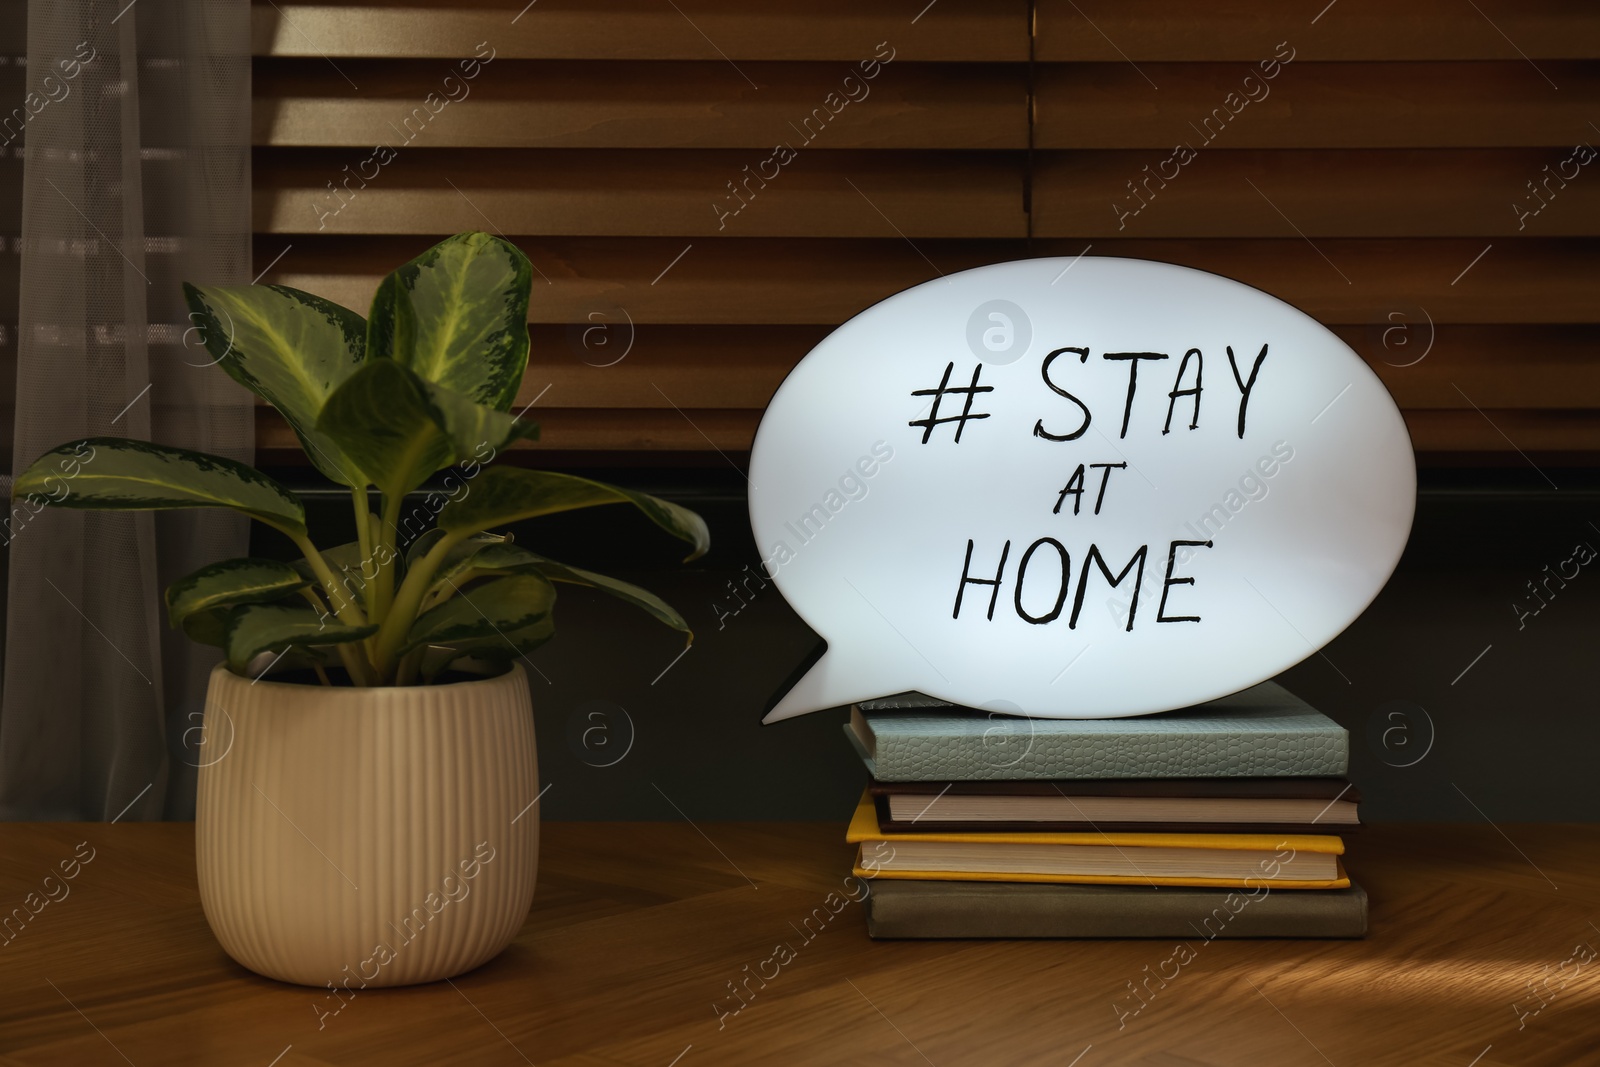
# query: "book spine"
894,912
1322,755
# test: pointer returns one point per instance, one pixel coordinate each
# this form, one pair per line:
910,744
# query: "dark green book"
1263,732
929,909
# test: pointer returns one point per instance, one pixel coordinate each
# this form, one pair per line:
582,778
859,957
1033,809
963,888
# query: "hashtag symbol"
945,390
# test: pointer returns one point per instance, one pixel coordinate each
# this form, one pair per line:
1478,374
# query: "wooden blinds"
706,187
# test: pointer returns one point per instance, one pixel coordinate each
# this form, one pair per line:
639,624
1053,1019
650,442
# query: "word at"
1582,953
1074,486
382,154
1185,153
55,890
749,576
1250,489
1581,556
1183,953
855,90
30,505
455,889
1581,155
55,91
783,953
812,522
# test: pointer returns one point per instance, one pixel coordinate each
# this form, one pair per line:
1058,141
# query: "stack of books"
1221,820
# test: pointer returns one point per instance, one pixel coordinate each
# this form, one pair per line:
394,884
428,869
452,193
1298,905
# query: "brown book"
913,909
1169,805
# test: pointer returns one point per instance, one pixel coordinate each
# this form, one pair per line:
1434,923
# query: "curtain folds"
135,128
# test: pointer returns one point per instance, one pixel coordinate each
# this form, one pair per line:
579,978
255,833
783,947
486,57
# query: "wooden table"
638,929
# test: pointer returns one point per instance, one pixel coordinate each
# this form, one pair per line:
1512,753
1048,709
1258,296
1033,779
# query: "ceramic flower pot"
366,837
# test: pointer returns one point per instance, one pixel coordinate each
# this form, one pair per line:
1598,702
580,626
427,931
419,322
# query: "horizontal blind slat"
567,104
647,193
1315,105
1248,30
1341,193
730,30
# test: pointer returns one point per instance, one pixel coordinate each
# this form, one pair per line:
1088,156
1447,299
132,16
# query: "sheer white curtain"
135,128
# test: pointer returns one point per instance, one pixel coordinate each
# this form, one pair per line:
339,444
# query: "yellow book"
1291,861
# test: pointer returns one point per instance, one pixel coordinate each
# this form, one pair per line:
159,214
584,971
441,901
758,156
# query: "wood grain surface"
638,929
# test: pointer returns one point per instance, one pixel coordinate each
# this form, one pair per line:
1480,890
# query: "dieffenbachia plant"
423,384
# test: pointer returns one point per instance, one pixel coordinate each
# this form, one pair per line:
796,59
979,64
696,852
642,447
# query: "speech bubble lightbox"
1076,488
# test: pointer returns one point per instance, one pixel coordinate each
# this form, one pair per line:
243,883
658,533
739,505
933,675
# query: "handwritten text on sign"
1062,531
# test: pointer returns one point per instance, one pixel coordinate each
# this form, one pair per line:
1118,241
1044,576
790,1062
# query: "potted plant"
363,815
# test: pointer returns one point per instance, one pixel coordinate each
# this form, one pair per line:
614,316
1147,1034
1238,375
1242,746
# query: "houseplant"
381,806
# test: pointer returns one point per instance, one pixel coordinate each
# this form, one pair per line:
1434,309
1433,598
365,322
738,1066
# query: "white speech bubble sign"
1091,420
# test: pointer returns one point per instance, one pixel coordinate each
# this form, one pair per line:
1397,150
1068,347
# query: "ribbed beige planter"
367,837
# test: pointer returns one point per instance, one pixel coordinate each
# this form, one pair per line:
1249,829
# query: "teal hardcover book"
1262,732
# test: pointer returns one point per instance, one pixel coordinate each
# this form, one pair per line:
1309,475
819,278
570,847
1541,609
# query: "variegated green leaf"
120,474
208,627
382,418
458,316
503,495
496,648
639,597
257,628
424,544
231,582
495,608
474,559
401,429
454,558
475,428
290,348
353,570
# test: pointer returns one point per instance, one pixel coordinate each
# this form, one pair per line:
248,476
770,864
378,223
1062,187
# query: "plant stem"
407,601
322,675
355,664
343,604
363,517
389,564
406,672
362,510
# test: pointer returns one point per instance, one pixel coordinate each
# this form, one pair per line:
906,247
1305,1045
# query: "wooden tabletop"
638,929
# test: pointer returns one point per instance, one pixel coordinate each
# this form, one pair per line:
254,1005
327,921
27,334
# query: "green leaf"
381,417
651,604
457,315
459,556
472,560
401,429
231,582
119,474
208,627
503,495
493,609
353,570
291,349
498,648
424,544
257,628
474,427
